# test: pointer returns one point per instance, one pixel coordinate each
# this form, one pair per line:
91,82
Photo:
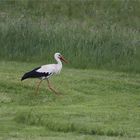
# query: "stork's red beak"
63,59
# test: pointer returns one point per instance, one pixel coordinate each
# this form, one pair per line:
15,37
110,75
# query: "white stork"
45,71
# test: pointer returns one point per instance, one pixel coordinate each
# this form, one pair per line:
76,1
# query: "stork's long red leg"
38,87
50,87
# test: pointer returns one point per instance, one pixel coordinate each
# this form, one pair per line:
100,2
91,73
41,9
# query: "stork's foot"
54,91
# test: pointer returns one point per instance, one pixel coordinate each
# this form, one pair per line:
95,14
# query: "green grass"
100,105
92,34
94,104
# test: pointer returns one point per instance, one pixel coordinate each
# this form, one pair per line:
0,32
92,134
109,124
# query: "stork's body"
45,71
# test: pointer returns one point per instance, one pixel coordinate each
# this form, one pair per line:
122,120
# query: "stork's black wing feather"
34,74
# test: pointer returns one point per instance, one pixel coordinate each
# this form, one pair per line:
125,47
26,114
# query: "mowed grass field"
94,104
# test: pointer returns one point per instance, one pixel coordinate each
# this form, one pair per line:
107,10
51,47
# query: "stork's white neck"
59,63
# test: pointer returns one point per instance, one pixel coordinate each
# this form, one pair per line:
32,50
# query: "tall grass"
98,34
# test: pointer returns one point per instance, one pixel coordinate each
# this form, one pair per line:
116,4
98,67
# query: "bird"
44,72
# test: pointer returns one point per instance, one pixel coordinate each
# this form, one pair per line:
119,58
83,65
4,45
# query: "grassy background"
93,104
90,33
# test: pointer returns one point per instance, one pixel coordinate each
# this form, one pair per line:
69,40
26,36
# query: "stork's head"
59,56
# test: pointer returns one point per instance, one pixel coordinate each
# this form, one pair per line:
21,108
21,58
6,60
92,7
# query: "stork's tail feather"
33,74
25,76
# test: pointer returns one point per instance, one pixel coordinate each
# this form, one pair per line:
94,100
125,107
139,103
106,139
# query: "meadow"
99,87
94,104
